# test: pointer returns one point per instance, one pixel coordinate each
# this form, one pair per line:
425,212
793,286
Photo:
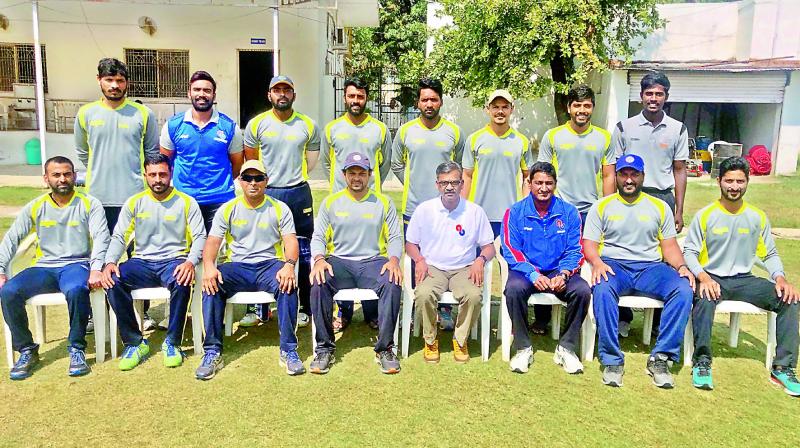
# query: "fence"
385,103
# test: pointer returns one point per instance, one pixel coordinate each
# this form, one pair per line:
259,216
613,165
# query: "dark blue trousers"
249,277
71,280
136,274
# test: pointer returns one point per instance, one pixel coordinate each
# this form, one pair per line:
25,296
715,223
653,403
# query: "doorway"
255,70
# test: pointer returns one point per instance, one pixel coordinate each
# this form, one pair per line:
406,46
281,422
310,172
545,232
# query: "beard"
62,189
202,107
114,95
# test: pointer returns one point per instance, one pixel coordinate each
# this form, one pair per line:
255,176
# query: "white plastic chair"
353,295
447,299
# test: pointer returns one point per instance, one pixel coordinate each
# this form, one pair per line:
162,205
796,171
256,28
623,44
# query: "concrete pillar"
784,158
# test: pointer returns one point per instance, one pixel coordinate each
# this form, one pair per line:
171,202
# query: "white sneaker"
303,320
249,320
568,360
148,324
164,324
624,329
522,360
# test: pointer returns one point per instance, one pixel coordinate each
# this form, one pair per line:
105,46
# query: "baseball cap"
253,165
500,93
281,79
630,161
356,159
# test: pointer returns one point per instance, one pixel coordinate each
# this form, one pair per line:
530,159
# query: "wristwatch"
291,261
485,260
566,276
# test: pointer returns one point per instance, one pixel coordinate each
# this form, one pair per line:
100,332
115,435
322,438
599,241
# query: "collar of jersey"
725,210
438,125
169,196
347,193
247,204
506,134
275,117
55,204
624,201
531,212
644,121
104,106
366,120
460,206
187,117
572,131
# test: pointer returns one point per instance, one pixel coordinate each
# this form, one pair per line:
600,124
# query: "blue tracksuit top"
533,244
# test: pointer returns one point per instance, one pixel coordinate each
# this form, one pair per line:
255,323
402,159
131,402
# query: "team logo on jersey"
559,223
460,230
221,137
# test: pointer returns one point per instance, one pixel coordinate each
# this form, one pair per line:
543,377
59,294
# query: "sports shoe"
431,352
148,323
701,375
23,368
786,378
446,320
163,325
209,366
90,326
249,320
322,362
612,375
388,361
173,355
303,320
77,362
624,329
568,360
522,360
373,325
460,353
292,362
132,355
658,368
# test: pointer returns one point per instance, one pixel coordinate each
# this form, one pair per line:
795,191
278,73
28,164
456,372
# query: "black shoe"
23,368
322,362
77,362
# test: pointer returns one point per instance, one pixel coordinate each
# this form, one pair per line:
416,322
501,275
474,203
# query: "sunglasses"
253,178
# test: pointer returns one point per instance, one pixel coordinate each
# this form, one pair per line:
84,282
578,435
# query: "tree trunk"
560,68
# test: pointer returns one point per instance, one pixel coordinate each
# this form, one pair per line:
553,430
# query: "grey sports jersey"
417,151
370,138
726,244
282,145
253,235
357,230
113,143
74,233
171,228
658,146
496,161
579,160
630,231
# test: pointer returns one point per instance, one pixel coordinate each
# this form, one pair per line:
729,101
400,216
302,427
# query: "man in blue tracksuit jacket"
541,238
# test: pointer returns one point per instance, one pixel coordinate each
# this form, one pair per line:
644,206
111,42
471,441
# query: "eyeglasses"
257,178
452,183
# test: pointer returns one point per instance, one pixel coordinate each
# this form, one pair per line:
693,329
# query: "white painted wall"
757,125
785,158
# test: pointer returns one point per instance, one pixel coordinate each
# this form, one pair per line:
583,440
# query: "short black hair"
734,164
58,159
358,83
654,78
430,83
157,159
112,67
201,75
543,167
579,93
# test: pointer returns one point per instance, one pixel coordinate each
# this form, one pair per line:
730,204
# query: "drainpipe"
40,115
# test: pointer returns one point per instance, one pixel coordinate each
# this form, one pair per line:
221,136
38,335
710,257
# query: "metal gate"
391,103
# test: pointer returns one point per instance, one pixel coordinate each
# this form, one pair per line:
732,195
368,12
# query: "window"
17,65
157,73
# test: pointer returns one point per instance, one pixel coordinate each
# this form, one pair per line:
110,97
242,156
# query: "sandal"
537,329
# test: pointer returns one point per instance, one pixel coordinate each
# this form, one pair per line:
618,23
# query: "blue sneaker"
77,362
133,355
23,368
209,366
701,375
786,378
292,362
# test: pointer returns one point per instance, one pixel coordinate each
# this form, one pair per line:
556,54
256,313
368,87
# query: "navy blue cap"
356,159
630,161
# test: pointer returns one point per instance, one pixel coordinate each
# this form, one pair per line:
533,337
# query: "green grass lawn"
252,402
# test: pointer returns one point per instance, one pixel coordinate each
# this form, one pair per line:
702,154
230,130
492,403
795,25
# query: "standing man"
542,244
288,144
261,254
205,146
356,244
724,239
493,159
663,143
72,237
629,240
356,131
168,234
441,239
112,137
420,145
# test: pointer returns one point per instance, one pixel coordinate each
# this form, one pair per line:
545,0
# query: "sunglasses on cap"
253,177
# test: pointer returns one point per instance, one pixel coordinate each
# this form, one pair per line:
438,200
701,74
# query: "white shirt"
448,239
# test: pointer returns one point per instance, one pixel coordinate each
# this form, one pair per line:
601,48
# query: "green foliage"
514,43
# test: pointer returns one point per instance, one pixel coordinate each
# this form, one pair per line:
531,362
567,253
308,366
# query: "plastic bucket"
33,152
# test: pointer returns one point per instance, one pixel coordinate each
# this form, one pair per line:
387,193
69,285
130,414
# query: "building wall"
785,158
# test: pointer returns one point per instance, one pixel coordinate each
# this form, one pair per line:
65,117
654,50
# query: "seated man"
442,237
168,237
262,250
629,240
542,244
356,244
71,241
724,239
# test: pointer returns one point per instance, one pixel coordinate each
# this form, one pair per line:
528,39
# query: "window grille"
157,73
18,65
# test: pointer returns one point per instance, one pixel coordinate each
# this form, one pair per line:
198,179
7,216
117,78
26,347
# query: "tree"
534,47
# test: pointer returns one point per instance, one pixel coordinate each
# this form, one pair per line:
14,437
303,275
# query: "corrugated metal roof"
760,65
692,86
